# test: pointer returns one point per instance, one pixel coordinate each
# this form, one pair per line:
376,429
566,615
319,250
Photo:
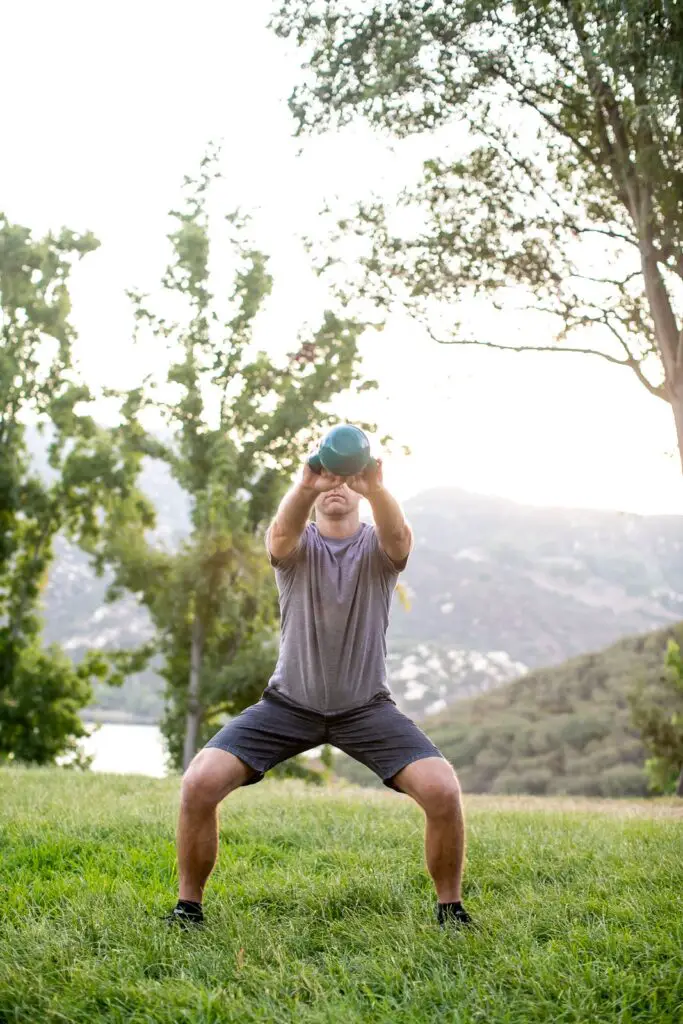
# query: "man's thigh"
268,733
382,738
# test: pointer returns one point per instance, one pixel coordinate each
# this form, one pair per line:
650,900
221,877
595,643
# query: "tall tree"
40,690
566,182
238,426
659,719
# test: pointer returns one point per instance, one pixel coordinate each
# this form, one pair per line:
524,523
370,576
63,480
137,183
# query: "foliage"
298,768
659,719
40,691
564,730
320,910
39,710
662,777
237,425
555,178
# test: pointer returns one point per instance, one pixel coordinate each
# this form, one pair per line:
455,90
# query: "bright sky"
108,106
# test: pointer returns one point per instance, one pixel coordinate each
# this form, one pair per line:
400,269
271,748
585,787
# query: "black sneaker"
453,913
185,917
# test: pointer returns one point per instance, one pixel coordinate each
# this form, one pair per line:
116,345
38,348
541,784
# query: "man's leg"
212,775
249,745
395,748
432,783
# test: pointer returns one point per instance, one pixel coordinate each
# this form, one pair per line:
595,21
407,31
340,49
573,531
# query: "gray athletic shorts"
377,734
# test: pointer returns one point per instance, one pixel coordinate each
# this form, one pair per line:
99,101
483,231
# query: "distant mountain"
495,588
562,730
539,583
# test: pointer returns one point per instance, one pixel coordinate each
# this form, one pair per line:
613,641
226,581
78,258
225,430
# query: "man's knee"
435,787
210,777
443,798
198,788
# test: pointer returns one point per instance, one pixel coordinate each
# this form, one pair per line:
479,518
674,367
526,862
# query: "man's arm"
394,534
290,520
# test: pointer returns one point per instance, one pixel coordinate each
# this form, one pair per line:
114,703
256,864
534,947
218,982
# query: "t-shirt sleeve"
387,564
293,557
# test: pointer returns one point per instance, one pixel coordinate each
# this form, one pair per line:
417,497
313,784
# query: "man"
336,579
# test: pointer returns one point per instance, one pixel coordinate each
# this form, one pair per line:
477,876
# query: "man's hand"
319,482
369,482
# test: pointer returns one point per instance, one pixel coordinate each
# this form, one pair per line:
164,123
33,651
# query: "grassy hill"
320,911
562,730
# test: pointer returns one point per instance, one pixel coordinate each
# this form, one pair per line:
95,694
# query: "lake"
127,749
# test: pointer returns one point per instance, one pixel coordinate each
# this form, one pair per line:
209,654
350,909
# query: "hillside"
496,588
541,584
561,730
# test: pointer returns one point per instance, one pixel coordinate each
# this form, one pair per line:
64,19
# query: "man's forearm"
393,531
290,520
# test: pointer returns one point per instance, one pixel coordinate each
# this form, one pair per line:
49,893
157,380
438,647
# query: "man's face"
338,503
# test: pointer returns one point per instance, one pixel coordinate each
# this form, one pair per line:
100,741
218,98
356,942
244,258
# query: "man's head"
338,504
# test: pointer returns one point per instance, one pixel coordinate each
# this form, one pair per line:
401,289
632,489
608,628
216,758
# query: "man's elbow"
280,544
399,544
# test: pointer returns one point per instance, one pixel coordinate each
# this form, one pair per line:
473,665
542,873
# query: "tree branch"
536,183
532,348
531,96
608,233
657,390
608,280
521,90
606,106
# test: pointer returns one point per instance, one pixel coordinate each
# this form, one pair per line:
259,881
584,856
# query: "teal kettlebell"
345,451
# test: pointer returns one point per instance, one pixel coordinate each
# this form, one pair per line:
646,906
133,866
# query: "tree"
238,426
660,723
561,173
39,708
40,690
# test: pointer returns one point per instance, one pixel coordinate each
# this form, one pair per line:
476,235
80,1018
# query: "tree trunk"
194,708
667,333
679,786
677,406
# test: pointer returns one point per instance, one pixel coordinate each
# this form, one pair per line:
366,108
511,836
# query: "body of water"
127,749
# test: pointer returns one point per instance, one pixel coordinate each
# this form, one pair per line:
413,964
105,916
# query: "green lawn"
320,910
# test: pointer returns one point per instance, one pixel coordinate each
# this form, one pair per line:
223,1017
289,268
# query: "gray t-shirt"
334,612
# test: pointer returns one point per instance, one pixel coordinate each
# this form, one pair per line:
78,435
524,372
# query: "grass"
320,910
